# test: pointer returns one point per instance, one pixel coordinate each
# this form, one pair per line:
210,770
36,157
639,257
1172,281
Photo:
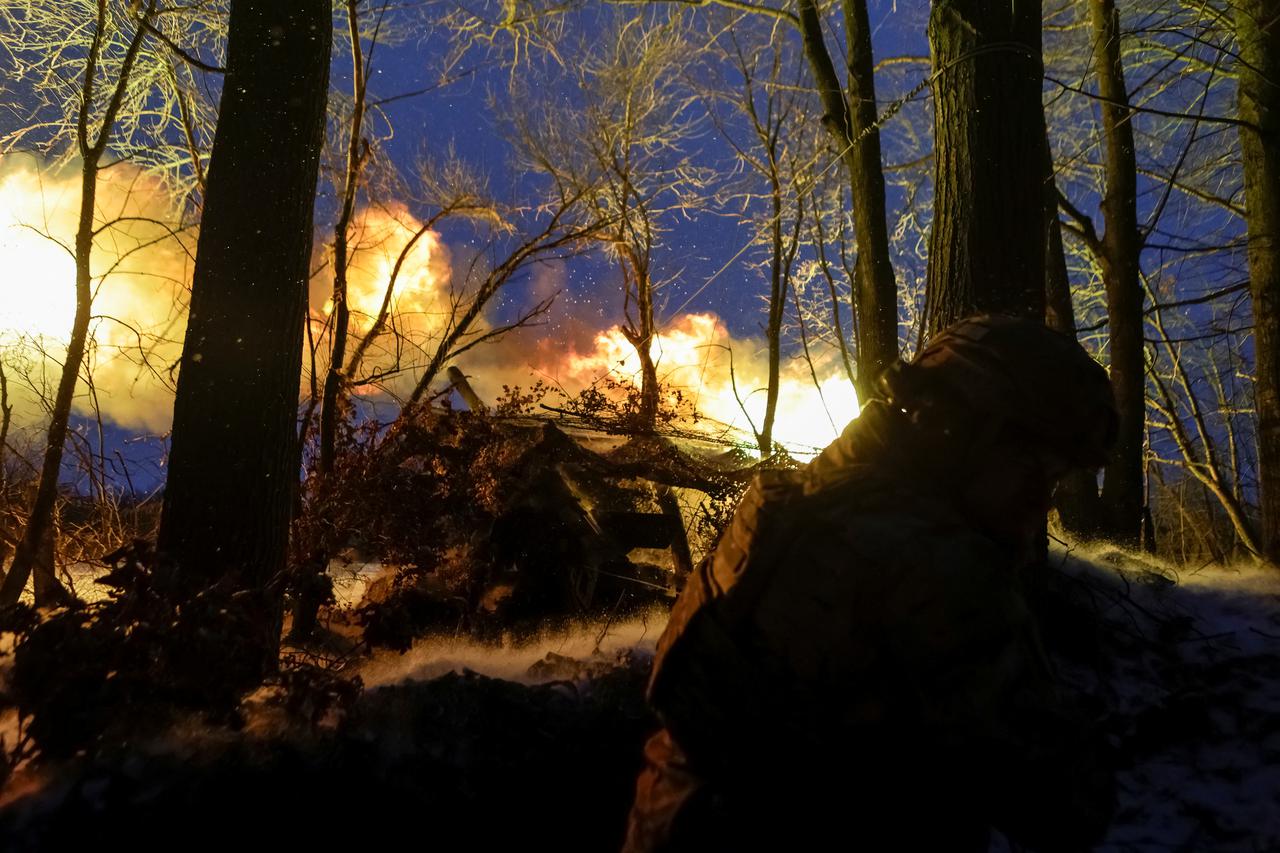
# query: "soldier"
855,666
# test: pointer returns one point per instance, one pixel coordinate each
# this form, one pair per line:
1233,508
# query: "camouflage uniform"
856,663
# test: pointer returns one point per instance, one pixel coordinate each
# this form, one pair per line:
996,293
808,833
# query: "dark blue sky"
699,250
459,114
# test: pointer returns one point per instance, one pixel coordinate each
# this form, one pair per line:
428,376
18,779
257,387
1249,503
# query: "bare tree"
98,73
851,119
356,151
1199,428
1119,249
622,155
1152,160
766,128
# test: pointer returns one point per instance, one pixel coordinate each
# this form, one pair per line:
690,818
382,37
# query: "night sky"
705,255
697,249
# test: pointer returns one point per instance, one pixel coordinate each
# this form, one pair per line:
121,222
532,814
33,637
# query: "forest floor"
535,744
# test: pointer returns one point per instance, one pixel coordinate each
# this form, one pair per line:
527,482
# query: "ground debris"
459,760
484,522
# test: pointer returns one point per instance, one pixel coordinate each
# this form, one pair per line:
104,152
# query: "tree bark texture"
987,244
233,464
1076,499
641,331
851,120
1258,35
1121,244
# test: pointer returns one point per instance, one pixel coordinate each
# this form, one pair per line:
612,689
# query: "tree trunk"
335,379
1076,498
232,468
851,120
987,244
6,419
777,302
647,414
1122,492
308,596
640,334
1258,35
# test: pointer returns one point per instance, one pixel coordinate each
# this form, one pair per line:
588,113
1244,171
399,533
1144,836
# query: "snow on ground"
522,660
1189,669
1193,685
350,580
1188,665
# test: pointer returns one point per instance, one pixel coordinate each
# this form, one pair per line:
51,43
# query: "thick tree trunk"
851,120
232,469
1258,35
987,244
1122,492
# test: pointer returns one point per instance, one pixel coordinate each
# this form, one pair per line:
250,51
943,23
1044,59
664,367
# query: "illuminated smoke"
726,380
143,280
722,377
380,238
141,276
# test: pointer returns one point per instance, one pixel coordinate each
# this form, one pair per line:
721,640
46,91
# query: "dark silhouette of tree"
987,245
622,158
1258,35
233,465
357,151
1118,250
1076,498
851,121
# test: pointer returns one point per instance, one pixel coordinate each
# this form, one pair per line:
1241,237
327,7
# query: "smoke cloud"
142,264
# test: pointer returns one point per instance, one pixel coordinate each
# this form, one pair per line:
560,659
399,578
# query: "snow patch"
512,658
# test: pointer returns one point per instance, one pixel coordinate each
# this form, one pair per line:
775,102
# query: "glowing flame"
37,287
726,380
378,238
139,273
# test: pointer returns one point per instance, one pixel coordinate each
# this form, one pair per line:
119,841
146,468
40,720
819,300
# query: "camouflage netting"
493,522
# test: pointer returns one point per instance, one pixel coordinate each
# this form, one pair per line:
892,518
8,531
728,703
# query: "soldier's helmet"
993,374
